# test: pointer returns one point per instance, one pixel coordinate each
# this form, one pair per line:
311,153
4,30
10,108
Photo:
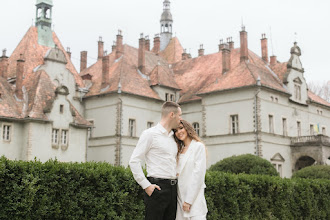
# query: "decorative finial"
4,52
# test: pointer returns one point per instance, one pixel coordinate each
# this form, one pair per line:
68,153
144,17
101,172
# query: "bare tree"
320,89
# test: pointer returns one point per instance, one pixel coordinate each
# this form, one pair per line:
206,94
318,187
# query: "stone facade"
237,101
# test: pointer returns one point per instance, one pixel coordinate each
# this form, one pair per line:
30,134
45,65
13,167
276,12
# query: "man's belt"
172,182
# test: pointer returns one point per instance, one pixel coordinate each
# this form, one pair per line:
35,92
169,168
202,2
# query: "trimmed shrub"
246,163
54,190
313,172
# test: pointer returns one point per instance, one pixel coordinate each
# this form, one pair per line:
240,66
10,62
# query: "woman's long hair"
190,132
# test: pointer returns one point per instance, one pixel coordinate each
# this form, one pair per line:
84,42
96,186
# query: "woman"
191,173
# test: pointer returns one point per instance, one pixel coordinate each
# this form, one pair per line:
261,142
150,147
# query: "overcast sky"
79,23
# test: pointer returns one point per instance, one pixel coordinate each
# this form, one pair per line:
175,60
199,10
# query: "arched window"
47,13
196,127
39,12
166,27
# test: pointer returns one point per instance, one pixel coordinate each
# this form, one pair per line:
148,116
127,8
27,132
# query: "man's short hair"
169,107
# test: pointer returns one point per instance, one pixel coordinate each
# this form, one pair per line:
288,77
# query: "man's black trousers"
162,204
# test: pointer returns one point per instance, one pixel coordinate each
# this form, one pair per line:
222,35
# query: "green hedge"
54,190
245,163
314,172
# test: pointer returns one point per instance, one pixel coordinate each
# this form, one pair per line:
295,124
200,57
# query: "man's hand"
150,189
186,207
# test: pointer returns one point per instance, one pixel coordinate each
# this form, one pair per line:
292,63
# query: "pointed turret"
44,22
166,22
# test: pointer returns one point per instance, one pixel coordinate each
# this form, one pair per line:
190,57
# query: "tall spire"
44,22
166,22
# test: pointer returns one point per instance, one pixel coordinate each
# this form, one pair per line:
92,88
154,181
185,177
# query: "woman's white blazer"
191,179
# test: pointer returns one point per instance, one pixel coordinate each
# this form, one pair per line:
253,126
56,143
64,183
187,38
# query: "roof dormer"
294,78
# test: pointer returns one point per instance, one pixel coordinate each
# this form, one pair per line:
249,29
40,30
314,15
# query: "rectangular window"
90,130
167,97
279,169
284,125
298,128
6,134
311,129
55,136
271,124
150,124
324,132
196,127
61,109
64,137
172,98
131,127
297,89
234,124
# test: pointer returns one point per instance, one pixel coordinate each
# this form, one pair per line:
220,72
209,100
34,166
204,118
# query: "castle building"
238,102
41,113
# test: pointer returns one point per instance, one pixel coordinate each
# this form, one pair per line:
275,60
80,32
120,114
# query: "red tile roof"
34,53
125,77
204,74
173,52
317,99
9,107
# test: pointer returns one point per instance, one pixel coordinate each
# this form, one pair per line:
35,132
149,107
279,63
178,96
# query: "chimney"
141,55
185,56
230,43
156,44
226,59
273,60
19,77
244,45
100,51
201,50
68,52
105,71
4,64
113,46
83,60
264,48
221,45
147,43
119,44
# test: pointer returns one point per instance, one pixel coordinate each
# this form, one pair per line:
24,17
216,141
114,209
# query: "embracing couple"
176,164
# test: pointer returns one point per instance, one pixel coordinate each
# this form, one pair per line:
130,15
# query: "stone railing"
314,140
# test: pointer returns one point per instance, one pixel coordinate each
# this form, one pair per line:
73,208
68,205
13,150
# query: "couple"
176,165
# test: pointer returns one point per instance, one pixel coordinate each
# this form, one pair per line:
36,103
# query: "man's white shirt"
158,149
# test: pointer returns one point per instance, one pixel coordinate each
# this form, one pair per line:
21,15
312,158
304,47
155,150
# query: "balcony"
313,140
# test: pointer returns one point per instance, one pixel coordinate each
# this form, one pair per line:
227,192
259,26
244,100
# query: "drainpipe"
256,118
118,132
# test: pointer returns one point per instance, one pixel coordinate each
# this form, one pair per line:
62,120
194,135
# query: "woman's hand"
186,207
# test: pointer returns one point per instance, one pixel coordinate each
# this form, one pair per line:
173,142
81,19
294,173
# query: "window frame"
299,128
9,133
55,144
285,127
196,128
150,124
271,124
131,127
234,124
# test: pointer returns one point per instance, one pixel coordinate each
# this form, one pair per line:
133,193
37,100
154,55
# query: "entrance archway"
303,162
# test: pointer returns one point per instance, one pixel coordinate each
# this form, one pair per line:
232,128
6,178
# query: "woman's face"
181,133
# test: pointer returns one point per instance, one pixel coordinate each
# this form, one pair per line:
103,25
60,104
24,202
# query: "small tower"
44,22
165,25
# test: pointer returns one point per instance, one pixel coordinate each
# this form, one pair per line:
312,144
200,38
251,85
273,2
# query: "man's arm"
138,156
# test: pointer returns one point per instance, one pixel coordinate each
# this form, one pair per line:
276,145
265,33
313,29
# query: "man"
157,147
